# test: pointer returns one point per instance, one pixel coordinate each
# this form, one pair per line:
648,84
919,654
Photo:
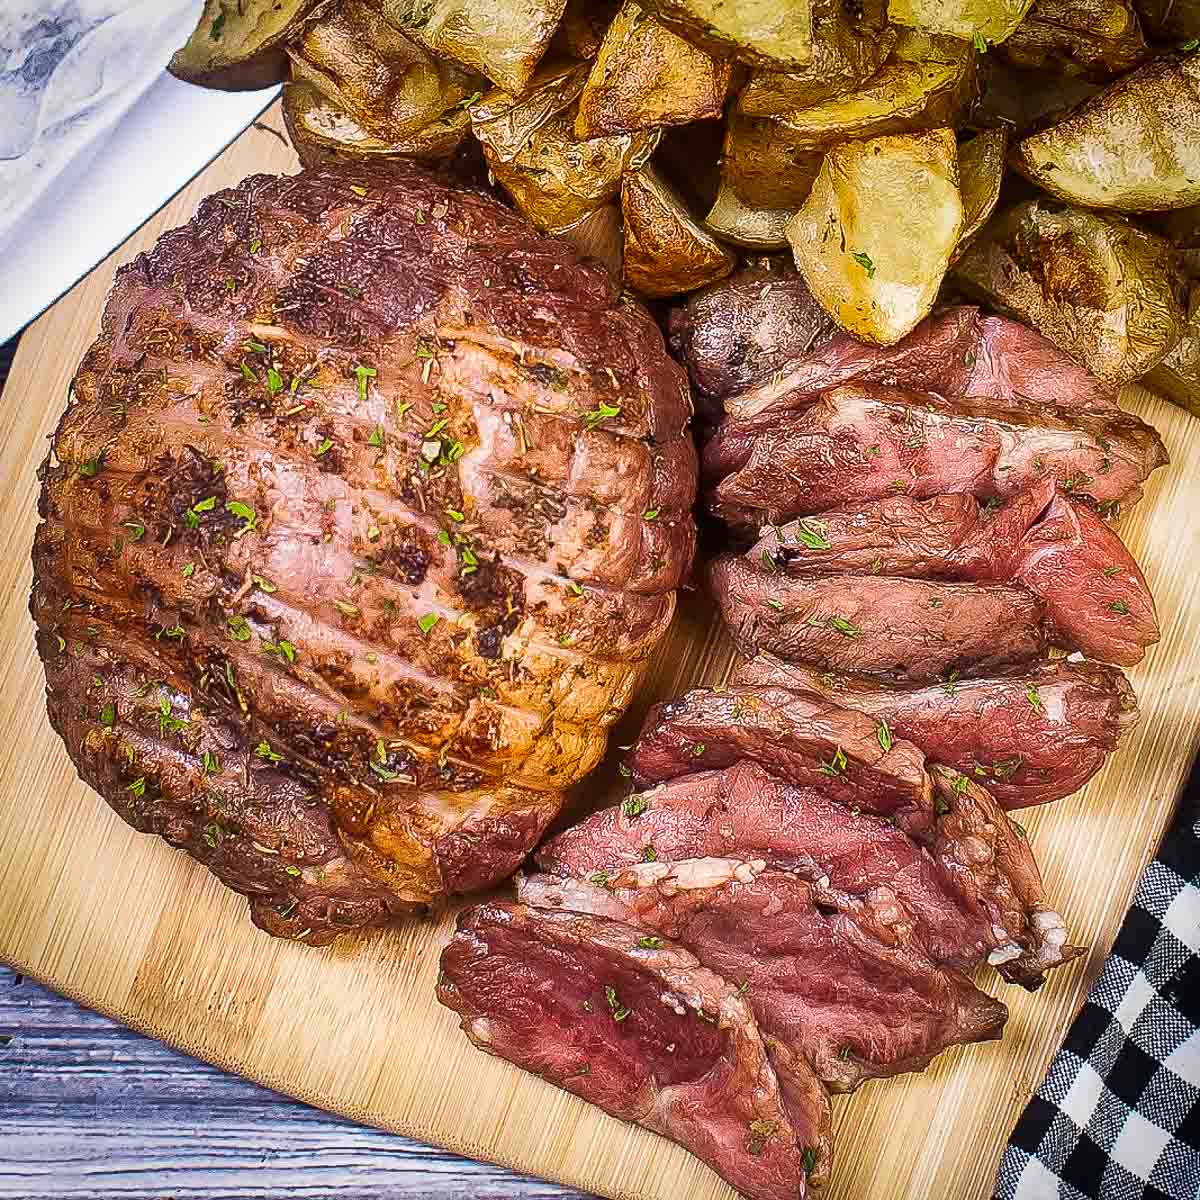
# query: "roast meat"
1029,735
637,1026
367,507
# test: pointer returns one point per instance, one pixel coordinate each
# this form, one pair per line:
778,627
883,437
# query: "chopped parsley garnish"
427,622
599,878
455,515
347,610
649,854
323,448
1035,699
293,871
884,734
274,381
864,261
378,437
192,516
650,514
634,806
283,648
239,629
1119,607
138,786
188,571
811,1158
1110,571
108,715
960,785
979,42
210,762
697,749
137,529
618,1010
264,751
812,536
363,374
601,413
263,585
358,189
844,627
244,513
775,603
650,943
218,27
91,467
836,765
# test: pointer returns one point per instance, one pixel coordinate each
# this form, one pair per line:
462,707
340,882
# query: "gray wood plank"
91,1109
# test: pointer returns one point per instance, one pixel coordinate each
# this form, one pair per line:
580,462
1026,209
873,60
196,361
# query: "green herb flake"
256,245
811,1158
650,943
137,787
811,536
634,806
378,437
137,529
218,27
776,604
1035,699
884,734
358,189
604,411
1022,832
292,871
437,427
347,610
599,878
1190,45
91,467
264,751
188,571
455,515
844,627
618,1010
108,715
979,42
864,261
244,513
960,785
426,623
323,448
264,585
836,766
649,854
210,762
1119,607
363,375
1111,571
239,629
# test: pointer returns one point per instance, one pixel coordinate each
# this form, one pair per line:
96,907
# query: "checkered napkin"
1118,1114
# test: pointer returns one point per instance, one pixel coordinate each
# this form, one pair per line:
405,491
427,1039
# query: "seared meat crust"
366,509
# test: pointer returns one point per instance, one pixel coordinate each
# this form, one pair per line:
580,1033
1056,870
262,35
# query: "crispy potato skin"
555,178
980,174
874,238
1103,290
236,53
387,82
322,131
1135,147
666,251
768,33
994,20
845,55
741,224
763,165
645,75
1177,377
1094,39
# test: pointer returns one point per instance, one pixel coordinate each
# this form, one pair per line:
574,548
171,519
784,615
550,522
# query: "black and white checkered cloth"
1118,1115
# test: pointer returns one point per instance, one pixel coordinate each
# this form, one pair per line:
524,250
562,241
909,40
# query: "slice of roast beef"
745,328
904,628
859,999
638,1027
956,352
1097,600
1029,736
806,740
965,907
857,443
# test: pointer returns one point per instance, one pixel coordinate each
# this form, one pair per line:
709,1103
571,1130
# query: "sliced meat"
746,327
807,741
864,443
956,352
644,1032
1097,600
858,999
1030,736
964,912
903,628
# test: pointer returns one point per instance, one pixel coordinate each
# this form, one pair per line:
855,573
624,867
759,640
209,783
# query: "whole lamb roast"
367,507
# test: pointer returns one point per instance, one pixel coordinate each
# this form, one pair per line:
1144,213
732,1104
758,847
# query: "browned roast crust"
364,472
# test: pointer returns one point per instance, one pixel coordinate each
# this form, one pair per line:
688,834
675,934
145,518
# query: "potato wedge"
239,44
646,75
873,240
764,32
554,178
1096,39
1103,290
1177,377
388,83
981,163
928,82
765,163
504,40
1182,228
1135,147
666,251
992,20
845,55
1169,20
321,130
735,221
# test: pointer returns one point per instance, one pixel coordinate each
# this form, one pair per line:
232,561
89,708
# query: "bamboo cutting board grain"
137,930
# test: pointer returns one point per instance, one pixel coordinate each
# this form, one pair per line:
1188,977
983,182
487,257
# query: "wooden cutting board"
131,927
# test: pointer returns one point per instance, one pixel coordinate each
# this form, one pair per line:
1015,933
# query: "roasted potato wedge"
764,164
1177,377
874,238
928,82
504,40
388,83
320,130
764,32
645,75
666,251
1169,20
555,178
1182,227
981,164
992,20
1097,39
733,220
1135,147
239,44
1103,290
845,55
